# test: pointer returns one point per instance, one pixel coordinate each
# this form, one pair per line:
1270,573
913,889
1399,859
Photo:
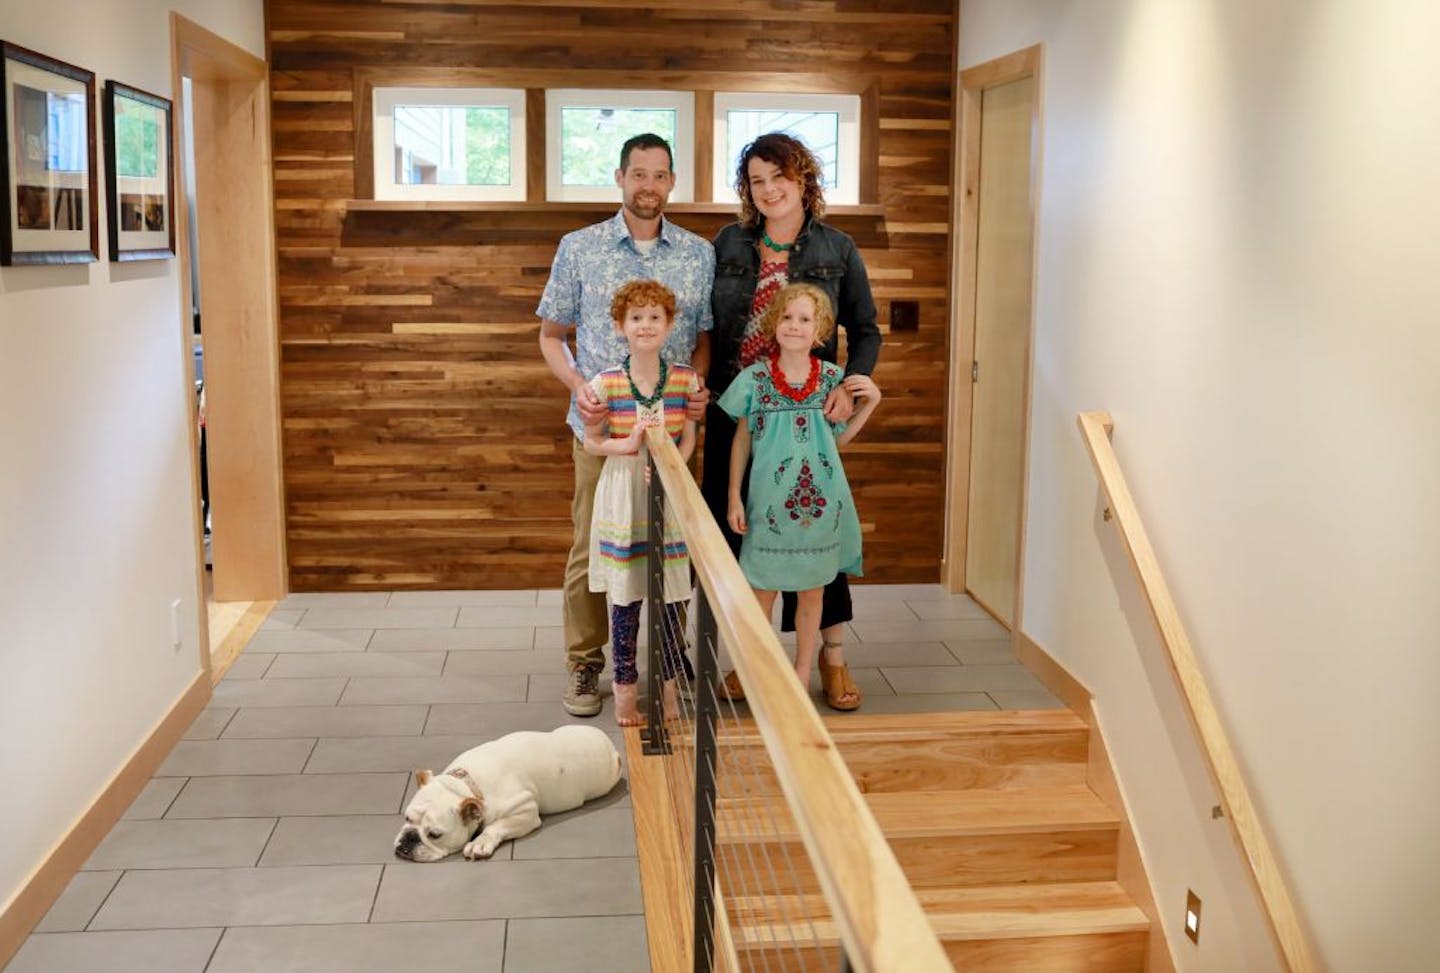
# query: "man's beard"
645,206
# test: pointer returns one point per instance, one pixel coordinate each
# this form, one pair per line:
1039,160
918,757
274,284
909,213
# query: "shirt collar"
620,232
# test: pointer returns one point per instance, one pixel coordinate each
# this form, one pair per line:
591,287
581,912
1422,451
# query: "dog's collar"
464,775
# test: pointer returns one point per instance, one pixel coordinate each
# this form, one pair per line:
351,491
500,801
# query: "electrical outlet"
175,639
904,315
1192,916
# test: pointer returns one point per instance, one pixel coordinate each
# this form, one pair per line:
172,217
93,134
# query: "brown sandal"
836,684
730,687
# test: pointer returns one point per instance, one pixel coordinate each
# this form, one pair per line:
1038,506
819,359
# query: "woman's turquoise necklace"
777,247
657,395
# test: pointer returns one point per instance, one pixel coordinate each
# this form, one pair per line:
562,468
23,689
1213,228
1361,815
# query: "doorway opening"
992,348
228,282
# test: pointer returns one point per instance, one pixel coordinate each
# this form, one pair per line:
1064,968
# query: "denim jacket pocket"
823,272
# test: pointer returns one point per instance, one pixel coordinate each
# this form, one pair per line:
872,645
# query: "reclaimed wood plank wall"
424,438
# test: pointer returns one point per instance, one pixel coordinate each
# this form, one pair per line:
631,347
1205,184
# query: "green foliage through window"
487,146
590,140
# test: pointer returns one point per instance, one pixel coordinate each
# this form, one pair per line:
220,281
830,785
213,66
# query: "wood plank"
658,842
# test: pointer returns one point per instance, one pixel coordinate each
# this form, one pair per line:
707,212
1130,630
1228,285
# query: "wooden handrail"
1239,809
883,927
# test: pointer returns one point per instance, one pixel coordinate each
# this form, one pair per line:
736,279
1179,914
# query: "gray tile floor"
264,841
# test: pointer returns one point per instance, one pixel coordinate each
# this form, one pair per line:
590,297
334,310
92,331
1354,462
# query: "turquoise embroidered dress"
802,528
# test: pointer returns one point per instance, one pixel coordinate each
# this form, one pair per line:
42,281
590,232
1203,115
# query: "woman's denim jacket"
823,256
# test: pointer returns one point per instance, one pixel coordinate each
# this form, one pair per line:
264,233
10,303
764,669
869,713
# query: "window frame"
384,99
682,146
849,107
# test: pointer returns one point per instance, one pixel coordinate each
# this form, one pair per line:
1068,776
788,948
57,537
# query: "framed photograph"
139,174
49,206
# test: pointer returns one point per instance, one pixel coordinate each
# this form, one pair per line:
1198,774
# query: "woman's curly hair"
641,293
796,162
824,313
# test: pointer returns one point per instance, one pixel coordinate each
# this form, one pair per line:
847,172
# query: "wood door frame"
1028,62
257,567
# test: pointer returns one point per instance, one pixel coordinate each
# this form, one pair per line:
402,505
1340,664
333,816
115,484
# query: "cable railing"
788,870
1235,797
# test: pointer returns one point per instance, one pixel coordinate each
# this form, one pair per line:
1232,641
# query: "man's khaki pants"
587,622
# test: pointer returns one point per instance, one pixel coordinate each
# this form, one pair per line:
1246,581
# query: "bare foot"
670,700
627,704
804,677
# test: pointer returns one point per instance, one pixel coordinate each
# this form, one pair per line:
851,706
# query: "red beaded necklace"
785,388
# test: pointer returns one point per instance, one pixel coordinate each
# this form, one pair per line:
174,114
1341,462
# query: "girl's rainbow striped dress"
619,527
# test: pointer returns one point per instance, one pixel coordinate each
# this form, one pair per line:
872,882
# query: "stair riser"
878,766
938,862
1103,953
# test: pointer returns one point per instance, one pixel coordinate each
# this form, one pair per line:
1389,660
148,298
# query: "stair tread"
921,725
906,814
979,913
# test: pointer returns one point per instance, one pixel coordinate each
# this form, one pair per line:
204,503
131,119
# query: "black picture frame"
49,209
140,201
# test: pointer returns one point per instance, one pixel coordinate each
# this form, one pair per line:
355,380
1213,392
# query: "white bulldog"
499,789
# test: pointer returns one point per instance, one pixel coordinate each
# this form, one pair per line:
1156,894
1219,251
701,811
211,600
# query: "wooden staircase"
1011,854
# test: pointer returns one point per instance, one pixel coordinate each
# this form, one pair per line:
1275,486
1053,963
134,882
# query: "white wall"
97,529
1237,258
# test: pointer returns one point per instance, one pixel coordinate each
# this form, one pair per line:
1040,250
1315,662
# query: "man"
638,242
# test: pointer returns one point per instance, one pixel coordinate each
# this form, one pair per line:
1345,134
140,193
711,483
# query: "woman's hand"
862,387
736,515
839,404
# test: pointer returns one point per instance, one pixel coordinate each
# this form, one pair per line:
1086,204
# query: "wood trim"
1262,866
1033,59
870,144
234,191
704,146
1100,775
879,919
962,342
38,893
363,118
535,149
214,58
181,39
237,638
507,77
1002,70
608,206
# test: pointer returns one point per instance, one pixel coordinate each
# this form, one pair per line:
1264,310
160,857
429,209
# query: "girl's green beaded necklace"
657,395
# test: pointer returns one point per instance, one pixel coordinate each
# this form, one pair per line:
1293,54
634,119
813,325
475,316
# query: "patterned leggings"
625,626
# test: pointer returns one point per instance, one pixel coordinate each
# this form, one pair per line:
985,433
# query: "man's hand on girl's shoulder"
696,401
592,410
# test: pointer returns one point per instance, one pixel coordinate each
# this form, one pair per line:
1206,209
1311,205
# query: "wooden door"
1000,369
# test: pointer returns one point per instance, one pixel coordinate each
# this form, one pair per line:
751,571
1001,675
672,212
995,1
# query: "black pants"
835,606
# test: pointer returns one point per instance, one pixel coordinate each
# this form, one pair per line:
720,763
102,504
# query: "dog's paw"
480,848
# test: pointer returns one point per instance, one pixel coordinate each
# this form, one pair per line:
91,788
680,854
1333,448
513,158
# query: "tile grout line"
266,846
215,949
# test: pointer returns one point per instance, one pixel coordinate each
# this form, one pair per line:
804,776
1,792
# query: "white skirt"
619,537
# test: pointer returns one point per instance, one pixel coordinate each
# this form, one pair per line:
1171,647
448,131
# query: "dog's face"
443,816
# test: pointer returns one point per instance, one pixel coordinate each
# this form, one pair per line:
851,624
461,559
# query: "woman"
779,239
